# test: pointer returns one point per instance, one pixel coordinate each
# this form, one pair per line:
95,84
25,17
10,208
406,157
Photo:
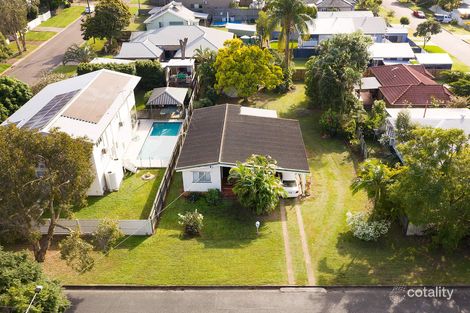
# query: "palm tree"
264,28
291,15
374,177
256,184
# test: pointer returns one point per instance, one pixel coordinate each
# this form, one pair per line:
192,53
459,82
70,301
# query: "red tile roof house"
408,85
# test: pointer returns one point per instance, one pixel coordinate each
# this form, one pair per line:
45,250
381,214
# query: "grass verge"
64,17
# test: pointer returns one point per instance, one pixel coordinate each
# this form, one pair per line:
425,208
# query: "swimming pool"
160,142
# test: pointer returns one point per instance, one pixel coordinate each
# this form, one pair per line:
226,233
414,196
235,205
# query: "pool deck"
138,139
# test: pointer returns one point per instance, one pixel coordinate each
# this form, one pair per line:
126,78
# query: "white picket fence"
38,20
128,227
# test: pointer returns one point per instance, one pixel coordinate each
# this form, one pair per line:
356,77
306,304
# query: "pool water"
160,142
165,129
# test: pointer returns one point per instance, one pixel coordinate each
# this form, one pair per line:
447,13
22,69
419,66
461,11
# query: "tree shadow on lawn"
395,259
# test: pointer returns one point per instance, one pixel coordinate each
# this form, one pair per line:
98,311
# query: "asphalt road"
292,300
446,40
46,57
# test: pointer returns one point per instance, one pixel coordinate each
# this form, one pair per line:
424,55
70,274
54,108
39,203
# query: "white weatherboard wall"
168,19
38,20
128,227
114,142
215,183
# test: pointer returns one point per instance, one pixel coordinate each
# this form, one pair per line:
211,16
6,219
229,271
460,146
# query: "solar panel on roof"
47,113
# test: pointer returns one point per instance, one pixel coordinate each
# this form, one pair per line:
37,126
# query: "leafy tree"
19,275
461,87
374,177
205,68
427,29
152,74
47,79
404,126
331,76
369,5
13,94
256,184
5,51
245,69
264,28
449,5
77,252
290,15
432,187
110,18
404,20
107,235
13,21
61,182
450,76
78,54
376,118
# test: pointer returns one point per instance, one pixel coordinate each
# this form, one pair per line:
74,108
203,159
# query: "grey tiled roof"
220,134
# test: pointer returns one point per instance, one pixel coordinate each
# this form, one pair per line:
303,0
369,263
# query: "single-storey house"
386,53
220,136
342,22
408,85
434,62
170,41
397,34
99,106
174,13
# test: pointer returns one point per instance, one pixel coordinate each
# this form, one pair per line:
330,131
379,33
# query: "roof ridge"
222,139
405,91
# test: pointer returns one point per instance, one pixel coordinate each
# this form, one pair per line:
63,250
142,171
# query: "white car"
90,9
291,183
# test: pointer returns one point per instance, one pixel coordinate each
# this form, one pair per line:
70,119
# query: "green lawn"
65,17
457,66
66,69
275,44
39,36
227,253
4,67
133,200
300,63
337,257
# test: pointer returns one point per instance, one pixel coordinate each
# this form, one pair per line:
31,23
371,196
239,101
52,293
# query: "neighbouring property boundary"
128,227
159,202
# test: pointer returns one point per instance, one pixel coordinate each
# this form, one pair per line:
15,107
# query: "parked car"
90,9
291,183
419,14
442,18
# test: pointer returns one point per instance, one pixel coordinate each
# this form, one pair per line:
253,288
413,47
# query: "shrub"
147,96
152,74
451,76
404,20
84,68
191,222
193,196
33,12
47,79
77,252
107,235
78,54
213,197
330,122
364,229
201,103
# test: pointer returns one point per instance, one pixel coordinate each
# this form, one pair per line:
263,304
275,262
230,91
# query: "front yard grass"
337,257
133,201
229,252
4,67
39,36
69,70
64,17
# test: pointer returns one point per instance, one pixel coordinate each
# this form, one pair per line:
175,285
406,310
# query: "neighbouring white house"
446,118
169,42
171,14
328,24
387,53
99,106
220,136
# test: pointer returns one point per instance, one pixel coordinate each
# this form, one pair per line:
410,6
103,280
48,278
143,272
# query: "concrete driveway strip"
273,300
446,40
46,57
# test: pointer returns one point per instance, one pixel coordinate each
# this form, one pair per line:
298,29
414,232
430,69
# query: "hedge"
151,72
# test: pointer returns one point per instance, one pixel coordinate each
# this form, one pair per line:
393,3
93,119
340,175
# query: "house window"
173,23
201,177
